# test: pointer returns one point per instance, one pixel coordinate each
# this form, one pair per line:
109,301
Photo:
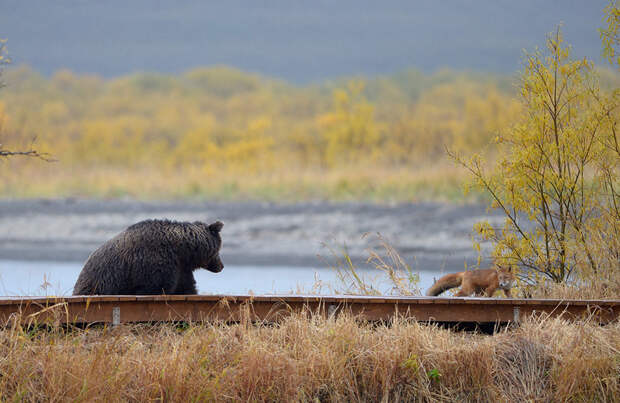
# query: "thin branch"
28,153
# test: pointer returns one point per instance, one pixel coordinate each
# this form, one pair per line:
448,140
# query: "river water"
267,248
40,278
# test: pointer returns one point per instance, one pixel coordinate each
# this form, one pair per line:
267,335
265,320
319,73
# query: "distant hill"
300,41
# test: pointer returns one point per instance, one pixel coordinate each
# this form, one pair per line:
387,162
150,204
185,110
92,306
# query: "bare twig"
4,153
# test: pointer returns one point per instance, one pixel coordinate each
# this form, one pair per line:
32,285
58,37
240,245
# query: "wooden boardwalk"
198,308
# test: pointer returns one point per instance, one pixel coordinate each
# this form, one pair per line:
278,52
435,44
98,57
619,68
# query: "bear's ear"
216,226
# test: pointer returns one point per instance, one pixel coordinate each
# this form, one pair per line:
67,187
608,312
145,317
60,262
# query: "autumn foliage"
557,176
225,133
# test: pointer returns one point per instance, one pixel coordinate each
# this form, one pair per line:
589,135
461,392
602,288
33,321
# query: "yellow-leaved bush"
557,175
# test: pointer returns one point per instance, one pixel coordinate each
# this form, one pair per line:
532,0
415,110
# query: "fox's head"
505,277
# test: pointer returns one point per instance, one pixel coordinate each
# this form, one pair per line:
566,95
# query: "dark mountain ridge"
293,40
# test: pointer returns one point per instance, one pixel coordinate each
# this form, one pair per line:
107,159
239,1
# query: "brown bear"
152,257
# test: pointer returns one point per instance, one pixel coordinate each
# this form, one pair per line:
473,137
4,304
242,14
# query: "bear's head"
212,261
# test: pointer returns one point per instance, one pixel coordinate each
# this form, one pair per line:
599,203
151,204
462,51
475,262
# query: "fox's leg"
490,290
508,293
466,290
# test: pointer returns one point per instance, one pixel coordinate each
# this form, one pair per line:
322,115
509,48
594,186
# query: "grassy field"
439,182
312,359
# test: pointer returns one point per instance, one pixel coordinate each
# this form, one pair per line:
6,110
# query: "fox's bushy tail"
445,283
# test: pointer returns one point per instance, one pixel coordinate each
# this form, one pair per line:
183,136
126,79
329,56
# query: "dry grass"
602,287
312,359
395,277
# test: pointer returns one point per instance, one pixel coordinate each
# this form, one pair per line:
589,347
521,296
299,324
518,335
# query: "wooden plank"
307,298
272,307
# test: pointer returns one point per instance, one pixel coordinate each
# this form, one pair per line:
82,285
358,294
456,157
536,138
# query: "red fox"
478,281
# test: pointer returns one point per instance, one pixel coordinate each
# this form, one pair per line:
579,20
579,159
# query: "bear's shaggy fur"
152,257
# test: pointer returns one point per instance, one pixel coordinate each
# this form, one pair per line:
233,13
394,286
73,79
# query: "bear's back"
105,269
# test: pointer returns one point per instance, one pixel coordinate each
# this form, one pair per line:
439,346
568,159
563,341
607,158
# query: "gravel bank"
430,236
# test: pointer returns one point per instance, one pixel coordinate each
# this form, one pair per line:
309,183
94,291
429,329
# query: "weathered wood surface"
198,308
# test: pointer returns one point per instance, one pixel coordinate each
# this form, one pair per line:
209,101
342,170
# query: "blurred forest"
227,134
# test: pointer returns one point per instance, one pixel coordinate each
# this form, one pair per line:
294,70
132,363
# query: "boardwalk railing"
127,309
